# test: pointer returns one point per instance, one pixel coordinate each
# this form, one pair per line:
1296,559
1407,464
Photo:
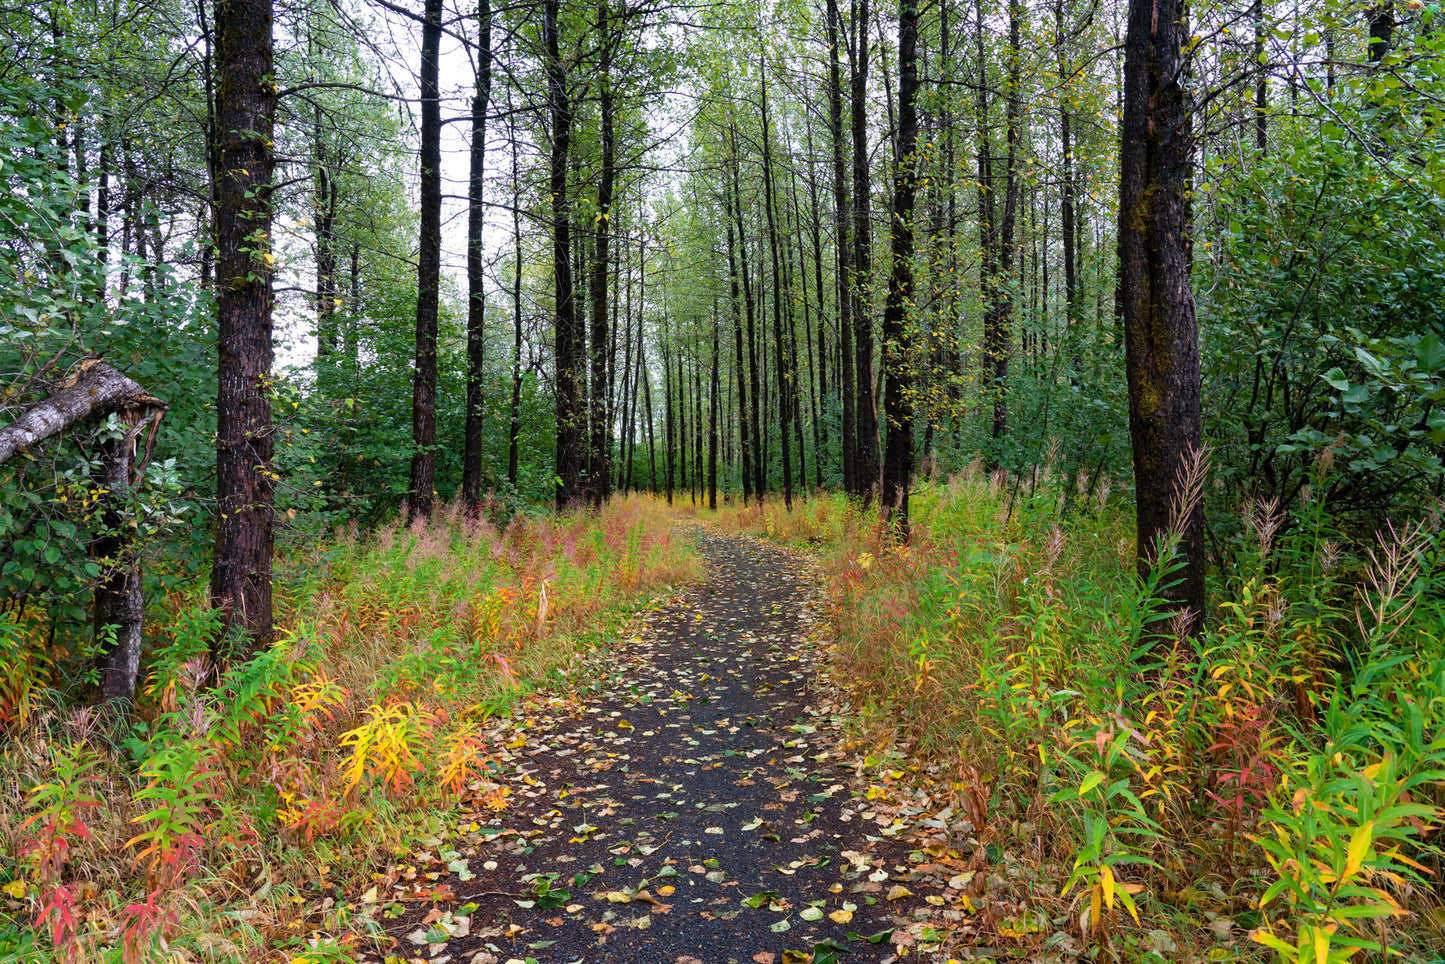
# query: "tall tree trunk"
815,360
699,482
844,252
1161,349
514,418
325,201
792,269
780,348
897,403
712,431
241,573
476,281
1067,204
669,408
428,272
866,435
745,442
628,388
598,414
571,378
324,217
651,441
820,393
760,462
994,349
1261,81
1004,292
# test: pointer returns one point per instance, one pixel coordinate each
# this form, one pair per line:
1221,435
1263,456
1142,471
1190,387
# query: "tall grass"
235,812
1280,774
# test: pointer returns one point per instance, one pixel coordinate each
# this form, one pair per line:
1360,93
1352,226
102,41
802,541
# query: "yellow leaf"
1106,883
841,916
16,889
1359,846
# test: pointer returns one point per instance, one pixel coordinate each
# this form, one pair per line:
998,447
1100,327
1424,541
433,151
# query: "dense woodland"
281,274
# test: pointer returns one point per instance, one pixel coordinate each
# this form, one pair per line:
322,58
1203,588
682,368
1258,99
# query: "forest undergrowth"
240,815
1268,791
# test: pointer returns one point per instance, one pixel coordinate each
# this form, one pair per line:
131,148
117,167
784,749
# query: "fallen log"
94,390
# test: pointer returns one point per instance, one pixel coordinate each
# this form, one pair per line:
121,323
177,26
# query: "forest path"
695,808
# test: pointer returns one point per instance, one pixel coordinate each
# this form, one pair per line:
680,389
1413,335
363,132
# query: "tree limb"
95,389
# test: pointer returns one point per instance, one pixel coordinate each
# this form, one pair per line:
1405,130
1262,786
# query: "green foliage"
389,665
1291,756
1324,327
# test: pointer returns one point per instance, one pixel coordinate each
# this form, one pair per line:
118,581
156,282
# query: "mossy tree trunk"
1161,332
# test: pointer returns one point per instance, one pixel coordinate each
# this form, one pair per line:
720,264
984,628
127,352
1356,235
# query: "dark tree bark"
996,236
571,377
246,108
759,459
897,403
119,612
785,391
1381,20
699,482
1261,80
599,473
795,378
712,431
744,438
514,420
844,249
866,434
428,273
1067,203
651,440
323,203
1004,292
987,226
1160,329
669,409
808,353
820,393
476,282
628,388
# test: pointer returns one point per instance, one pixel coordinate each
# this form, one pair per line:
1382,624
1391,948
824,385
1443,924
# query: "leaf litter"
692,799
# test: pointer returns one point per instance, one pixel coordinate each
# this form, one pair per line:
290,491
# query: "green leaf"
1430,353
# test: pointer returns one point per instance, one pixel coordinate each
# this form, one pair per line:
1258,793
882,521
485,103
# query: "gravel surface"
694,808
